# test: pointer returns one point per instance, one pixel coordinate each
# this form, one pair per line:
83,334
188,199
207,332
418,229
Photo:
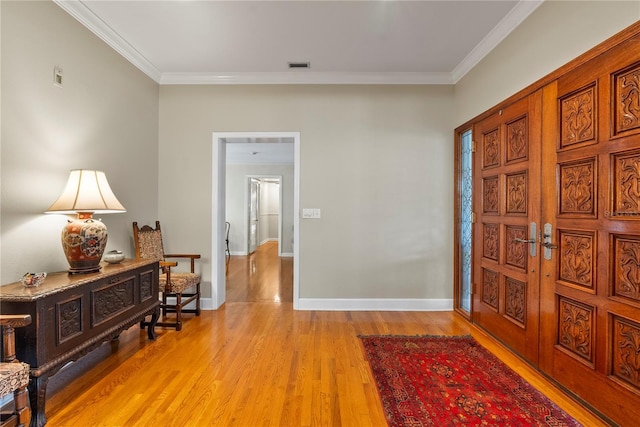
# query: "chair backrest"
148,241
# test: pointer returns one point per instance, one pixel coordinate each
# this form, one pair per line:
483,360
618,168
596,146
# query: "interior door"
254,214
507,165
591,201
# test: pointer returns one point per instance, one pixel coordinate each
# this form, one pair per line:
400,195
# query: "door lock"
546,241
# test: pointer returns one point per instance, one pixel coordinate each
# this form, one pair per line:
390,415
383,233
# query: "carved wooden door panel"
590,288
507,162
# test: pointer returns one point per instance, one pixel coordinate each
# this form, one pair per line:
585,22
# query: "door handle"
531,240
524,240
546,241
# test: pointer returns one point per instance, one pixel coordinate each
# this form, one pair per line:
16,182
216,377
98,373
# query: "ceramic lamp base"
83,242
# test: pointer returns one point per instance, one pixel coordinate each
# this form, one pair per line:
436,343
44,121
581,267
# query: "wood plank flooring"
253,362
260,277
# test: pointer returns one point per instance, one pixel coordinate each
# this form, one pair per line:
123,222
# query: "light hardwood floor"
253,362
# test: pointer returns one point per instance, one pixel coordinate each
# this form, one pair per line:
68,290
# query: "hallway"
260,277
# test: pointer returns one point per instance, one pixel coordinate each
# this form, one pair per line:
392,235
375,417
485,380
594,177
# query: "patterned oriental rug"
453,381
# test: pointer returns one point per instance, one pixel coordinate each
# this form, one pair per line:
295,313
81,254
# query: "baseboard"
206,304
241,253
375,304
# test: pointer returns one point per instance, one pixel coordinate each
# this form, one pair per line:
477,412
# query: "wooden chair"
173,284
14,375
227,227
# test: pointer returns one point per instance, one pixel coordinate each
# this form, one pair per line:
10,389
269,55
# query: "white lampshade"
86,191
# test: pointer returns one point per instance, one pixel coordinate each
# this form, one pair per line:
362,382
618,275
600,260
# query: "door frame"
280,207
247,212
218,172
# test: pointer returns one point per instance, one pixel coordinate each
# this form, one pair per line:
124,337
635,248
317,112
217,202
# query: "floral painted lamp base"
83,242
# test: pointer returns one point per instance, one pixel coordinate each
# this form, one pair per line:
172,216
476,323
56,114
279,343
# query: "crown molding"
306,77
86,17
519,13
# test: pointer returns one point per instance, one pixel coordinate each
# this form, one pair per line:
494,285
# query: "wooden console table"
74,314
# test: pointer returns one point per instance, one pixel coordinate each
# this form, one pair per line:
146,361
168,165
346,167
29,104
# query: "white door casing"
218,266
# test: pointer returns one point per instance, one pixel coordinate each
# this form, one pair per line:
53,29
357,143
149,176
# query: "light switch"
311,213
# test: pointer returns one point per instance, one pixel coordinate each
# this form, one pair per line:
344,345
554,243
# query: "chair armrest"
8,323
168,264
192,257
165,266
15,320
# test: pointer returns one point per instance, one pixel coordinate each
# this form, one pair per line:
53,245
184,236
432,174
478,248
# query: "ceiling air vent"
299,65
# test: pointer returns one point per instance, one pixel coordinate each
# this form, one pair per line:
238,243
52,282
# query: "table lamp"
84,239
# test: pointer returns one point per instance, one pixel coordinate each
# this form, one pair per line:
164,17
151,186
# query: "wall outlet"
311,213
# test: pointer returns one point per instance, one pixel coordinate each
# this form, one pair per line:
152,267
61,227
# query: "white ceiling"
346,42
260,151
240,42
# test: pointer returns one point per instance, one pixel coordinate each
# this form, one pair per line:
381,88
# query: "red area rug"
453,381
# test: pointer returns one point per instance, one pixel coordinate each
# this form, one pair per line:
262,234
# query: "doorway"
254,215
226,141
264,215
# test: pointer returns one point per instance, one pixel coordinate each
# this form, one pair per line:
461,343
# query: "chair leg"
164,304
198,299
178,311
23,412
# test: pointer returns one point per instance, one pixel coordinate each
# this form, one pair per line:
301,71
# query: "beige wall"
377,160
554,34
104,117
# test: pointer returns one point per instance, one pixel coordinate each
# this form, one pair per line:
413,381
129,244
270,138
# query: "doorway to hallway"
261,145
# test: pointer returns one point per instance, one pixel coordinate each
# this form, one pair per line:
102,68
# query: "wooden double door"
557,236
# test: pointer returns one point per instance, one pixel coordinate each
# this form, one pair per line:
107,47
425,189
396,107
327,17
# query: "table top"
62,281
